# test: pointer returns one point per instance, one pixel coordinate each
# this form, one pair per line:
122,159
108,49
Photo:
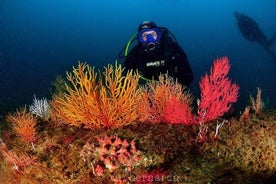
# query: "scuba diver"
251,31
157,52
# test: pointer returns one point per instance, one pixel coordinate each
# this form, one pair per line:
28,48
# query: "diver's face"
150,38
146,35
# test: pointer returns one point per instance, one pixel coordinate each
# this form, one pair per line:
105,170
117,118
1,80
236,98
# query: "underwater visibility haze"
42,39
95,141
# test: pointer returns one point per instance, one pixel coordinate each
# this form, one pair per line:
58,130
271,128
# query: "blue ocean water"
40,39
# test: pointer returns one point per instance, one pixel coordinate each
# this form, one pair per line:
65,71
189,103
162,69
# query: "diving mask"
149,36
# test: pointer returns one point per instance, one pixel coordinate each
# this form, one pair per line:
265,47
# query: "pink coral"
111,154
217,92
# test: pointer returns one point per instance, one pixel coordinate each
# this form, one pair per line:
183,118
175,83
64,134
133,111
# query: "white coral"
40,108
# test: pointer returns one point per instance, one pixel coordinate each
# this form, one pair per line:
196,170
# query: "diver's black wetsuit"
170,58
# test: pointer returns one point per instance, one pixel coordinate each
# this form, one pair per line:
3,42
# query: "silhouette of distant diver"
251,31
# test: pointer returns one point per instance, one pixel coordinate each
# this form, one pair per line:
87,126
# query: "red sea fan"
217,92
177,112
161,95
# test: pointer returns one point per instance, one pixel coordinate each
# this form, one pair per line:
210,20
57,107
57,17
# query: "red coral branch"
217,92
177,112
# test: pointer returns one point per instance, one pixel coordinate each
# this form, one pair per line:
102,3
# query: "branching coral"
23,124
178,111
112,99
218,92
257,104
160,97
40,108
58,86
109,100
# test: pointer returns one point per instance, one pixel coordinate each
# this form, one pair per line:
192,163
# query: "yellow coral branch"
108,101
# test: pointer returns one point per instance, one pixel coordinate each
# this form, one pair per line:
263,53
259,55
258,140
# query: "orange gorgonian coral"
161,94
110,100
23,124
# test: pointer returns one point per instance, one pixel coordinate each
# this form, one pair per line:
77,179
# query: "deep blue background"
42,38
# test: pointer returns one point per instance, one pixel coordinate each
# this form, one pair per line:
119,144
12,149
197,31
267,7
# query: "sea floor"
244,151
